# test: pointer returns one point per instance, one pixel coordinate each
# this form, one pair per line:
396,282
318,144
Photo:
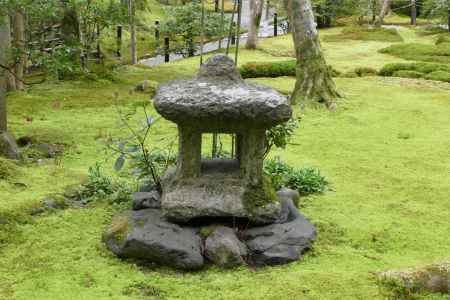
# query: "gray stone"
224,249
218,98
8,146
143,200
145,234
50,203
214,195
286,193
280,243
49,150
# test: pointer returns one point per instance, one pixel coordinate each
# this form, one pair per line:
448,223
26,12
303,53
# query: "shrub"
438,76
268,69
306,180
420,52
443,39
280,135
366,34
365,71
408,74
273,69
390,69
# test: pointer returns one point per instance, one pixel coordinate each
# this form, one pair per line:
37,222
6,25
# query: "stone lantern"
219,101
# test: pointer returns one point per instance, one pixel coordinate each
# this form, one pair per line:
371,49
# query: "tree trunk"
19,45
256,10
133,44
314,81
4,37
385,5
413,13
10,79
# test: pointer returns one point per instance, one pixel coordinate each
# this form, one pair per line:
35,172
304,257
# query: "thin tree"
385,5
18,27
8,145
413,12
10,79
256,10
133,43
314,82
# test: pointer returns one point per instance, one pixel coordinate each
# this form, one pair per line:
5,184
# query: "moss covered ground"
385,151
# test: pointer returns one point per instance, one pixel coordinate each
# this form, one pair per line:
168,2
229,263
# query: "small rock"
49,150
147,187
280,243
143,200
145,234
286,193
37,211
50,203
223,248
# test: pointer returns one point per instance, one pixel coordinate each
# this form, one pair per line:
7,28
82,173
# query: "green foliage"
425,68
98,186
438,76
407,74
268,69
62,63
365,71
305,180
280,135
183,26
443,39
420,52
273,69
365,34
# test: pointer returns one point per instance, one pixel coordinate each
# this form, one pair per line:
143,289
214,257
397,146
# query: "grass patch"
429,71
273,69
388,190
420,52
366,34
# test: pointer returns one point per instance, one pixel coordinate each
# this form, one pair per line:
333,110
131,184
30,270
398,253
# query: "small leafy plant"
306,180
146,163
280,135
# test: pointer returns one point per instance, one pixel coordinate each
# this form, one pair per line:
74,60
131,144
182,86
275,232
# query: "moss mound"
439,76
443,39
8,169
366,34
273,69
420,52
408,74
429,71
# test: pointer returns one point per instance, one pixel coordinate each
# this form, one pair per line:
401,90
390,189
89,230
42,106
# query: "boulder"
49,150
224,249
145,234
8,146
143,200
280,243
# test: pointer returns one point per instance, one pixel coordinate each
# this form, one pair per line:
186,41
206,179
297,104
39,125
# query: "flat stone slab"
145,234
219,96
205,198
280,243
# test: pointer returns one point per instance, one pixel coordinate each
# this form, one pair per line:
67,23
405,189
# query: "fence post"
216,5
119,41
275,24
233,37
157,33
99,52
166,49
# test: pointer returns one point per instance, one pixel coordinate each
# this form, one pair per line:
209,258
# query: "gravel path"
265,30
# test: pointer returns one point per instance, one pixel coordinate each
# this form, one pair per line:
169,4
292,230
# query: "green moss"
439,76
421,67
118,229
366,71
408,74
207,231
260,195
443,39
8,169
366,34
420,52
